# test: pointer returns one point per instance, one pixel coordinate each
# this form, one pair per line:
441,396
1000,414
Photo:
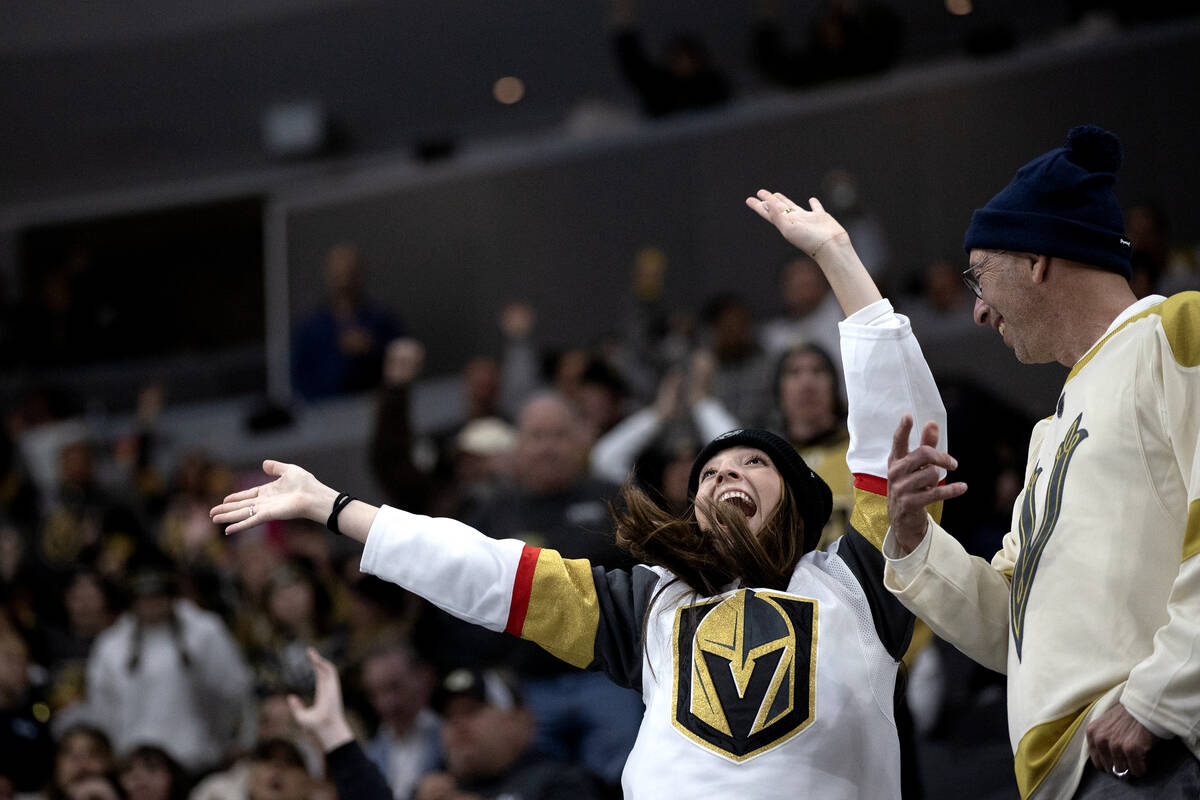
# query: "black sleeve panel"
623,598
354,775
893,622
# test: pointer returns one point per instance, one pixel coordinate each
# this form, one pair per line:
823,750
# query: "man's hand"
913,482
1117,742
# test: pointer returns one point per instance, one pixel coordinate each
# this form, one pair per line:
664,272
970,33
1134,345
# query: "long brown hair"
706,560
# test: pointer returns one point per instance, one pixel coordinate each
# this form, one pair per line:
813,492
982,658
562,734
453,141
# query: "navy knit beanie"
814,500
1061,204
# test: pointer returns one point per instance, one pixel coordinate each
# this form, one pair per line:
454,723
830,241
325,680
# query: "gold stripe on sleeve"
870,518
564,613
1181,323
1191,532
1042,746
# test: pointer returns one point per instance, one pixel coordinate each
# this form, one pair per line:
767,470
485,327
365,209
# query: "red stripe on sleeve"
870,483
522,587
875,484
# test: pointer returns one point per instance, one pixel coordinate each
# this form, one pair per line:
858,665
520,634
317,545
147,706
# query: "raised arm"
824,240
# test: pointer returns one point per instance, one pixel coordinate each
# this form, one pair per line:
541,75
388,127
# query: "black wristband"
341,502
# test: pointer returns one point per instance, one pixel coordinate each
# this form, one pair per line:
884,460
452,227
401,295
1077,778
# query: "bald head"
552,444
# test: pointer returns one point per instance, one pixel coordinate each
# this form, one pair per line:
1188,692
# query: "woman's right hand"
293,494
808,230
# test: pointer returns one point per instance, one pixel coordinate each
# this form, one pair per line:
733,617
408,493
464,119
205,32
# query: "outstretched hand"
325,718
808,230
913,482
294,493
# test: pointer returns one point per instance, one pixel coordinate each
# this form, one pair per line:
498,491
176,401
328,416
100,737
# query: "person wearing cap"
1092,606
767,668
487,739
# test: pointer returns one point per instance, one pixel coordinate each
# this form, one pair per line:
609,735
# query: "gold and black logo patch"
744,671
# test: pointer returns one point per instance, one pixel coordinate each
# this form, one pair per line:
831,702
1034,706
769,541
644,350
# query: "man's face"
550,446
397,689
480,740
1012,304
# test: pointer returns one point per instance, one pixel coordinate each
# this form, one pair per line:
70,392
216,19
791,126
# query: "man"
487,735
1091,606
339,348
398,685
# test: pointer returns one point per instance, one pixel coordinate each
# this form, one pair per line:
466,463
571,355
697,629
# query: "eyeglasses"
971,279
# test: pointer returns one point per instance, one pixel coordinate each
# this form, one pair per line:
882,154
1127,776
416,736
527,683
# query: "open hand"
808,230
293,494
913,482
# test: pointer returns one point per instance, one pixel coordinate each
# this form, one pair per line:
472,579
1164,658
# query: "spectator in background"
83,752
26,750
481,465
278,772
398,684
392,444
339,349
298,614
683,402
149,773
86,524
685,79
810,311
942,312
602,396
487,735
1157,265
741,380
846,39
813,420
170,673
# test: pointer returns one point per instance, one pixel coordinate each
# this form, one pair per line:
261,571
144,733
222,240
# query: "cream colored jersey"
1095,596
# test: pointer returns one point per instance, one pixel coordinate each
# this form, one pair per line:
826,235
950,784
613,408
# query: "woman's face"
743,478
805,387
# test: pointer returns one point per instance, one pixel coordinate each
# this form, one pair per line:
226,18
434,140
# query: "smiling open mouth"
741,501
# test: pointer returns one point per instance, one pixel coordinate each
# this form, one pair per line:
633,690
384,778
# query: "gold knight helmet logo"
743,678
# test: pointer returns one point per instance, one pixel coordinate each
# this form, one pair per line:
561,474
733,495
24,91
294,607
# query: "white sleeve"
961,597
450,564
886,377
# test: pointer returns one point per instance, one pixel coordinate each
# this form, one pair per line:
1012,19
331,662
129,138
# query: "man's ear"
1041,268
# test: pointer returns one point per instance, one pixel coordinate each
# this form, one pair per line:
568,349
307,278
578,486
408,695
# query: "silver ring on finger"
251,512
1120,773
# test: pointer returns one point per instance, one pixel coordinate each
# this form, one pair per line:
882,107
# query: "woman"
766,667
812,416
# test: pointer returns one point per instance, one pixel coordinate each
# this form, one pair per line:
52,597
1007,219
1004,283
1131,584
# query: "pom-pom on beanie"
1061,204
814,500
